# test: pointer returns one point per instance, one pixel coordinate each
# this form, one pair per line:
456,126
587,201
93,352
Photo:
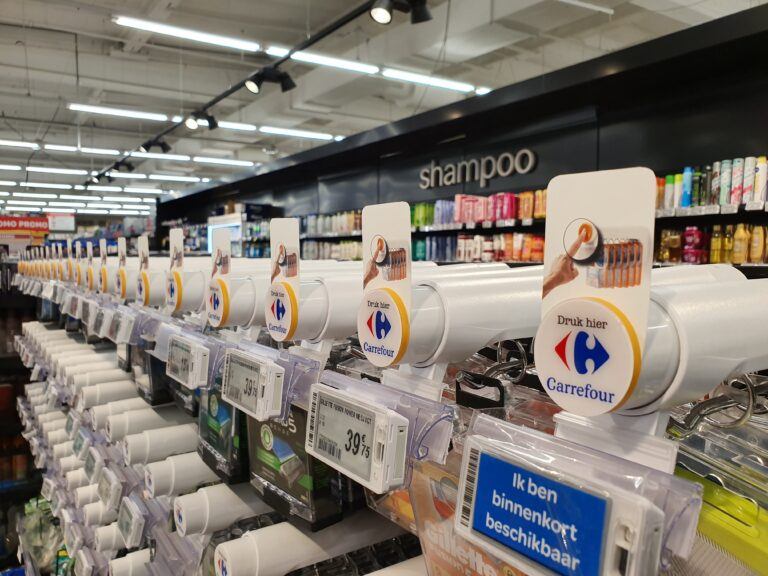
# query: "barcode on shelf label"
468,498
325,444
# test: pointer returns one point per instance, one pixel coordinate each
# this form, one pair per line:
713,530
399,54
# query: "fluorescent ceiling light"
236,126
222,161
79,187
149,200
7,183
102,205
589,6
142,190
46,170
22,209
33,195
187,34
104,188
46,185
9,167
100,151
135,207
28,202
205,180
126,175
350,65
60,210
174,178
120,199
160,156
427,80
60,148
277,51
72,204
125,212
5,193
295,133
482,90
121,112
91,211
19,144
79,197
338,138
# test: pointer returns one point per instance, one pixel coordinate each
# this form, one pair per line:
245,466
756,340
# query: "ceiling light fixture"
340,63
589,6
130,176
21,209
164,146
91,211
120,199
28,202
295,133
253,84
187,34
125,212
482,90
174,178
78,197
381,10
9,167
278,51
60,210
105,188
120,112
427,80
33,195
100,151
142,190
45,170
7,183
203,118
20,144
72,204
191,123
221,161
45,185
159,156
237,126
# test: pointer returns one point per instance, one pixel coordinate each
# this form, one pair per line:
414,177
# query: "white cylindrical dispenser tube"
97,514
51,425
214,508
92,377
61,450
134,421
56,436
105,363
75,479
106,538
86,495
133,564
99,414
154,445
69,463
264,551
52,416
103,393
177,475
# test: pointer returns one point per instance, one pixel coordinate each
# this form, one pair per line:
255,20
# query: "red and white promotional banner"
23,225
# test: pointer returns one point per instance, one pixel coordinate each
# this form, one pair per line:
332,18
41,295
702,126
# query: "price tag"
109,488
363,441
130,523
125,328
487,224
526,222
470,225
683,211
710,209
252,384
46,491
48,291
187,362
529,519
753,205
666,212
508,223
104,322
93,464
35,376
729,209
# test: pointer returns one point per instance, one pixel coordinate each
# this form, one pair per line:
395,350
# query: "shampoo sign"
481,170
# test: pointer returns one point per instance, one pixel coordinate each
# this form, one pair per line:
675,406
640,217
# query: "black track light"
208,120
253,84
286,82
96,179
164,146
128,166
147,146
110,179
381,10
420,11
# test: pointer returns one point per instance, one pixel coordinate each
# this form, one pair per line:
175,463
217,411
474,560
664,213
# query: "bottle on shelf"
740,244
757,245
716,245
727,252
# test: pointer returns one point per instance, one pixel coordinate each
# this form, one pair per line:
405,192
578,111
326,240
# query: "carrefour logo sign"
582,352
379,325
278,308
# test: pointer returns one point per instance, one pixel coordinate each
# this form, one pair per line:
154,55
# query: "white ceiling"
55,52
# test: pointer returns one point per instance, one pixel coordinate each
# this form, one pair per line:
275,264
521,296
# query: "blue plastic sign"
556,525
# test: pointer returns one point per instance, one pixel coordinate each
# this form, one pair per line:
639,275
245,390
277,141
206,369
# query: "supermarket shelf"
751,271
354,235
756,208
510,263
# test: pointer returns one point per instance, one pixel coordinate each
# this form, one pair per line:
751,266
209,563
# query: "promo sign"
383,320
103,279
219,297
282,302
122,274
596,292
23,226
175,283
142,287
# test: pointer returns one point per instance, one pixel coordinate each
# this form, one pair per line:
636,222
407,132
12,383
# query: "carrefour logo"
172,289
222,565
278,309
179,517
582,352
379,325
214,300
